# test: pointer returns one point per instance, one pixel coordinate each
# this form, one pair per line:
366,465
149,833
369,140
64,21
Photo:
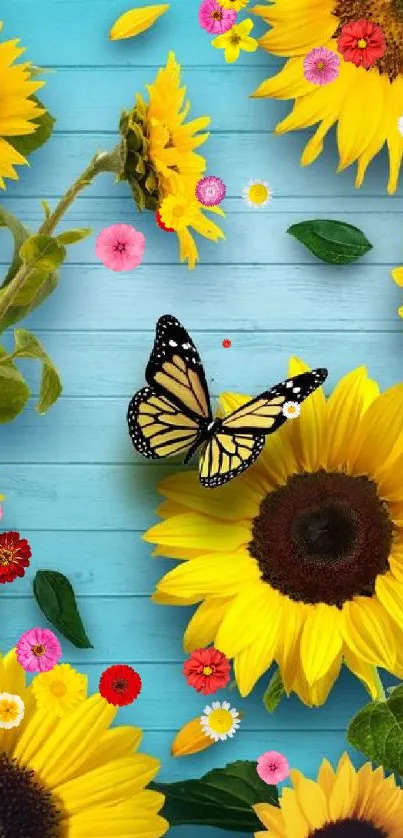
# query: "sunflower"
365,103
345,802
17,109
300,559
160,162
72,777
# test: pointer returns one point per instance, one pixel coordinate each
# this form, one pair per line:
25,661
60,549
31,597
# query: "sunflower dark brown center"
349,828
323,537
27,810
388,14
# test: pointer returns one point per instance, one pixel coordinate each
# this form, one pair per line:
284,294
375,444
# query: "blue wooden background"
75,487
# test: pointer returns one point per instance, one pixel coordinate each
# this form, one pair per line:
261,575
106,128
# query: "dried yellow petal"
190,740
135,21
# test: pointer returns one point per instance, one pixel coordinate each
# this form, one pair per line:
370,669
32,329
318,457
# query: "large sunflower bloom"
72,777
299,560
365,104
17,109
345,802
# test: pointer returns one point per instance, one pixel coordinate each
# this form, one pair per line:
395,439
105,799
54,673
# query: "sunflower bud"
136,166
190,739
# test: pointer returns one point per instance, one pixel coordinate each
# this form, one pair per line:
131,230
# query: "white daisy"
220,721
12,709
291,410
400,125
257,193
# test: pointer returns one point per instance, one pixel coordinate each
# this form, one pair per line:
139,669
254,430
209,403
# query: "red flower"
362,42
15,554
162,225
207,670
120,685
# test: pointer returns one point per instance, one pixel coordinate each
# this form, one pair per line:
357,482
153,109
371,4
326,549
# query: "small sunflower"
341,804
181,212
72,777
300,559
365,100
17,108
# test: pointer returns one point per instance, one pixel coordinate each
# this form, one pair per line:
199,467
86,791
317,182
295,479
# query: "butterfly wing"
241,435
157,427
176,371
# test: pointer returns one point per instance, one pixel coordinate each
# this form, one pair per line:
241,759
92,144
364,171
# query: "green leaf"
28,346
46,208
19,233
19,312
274,692
332,241
223,798
55,597
377,731
73,236
43,253
14,392
28,143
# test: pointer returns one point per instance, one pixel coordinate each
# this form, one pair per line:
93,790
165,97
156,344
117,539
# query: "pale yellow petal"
135,21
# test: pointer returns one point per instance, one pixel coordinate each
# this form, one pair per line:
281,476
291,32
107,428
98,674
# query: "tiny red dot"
227,343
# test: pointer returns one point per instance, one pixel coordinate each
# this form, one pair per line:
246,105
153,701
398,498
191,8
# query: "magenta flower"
120,247
210,191
214,19
321,66
273,767
38,650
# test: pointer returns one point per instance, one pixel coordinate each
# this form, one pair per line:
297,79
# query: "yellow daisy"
236,5
172,140
236,39
17,109
345,802
181,211
60,690
299,560
365,104
73,777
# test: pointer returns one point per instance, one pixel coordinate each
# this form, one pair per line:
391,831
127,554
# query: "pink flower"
214,19
38,650
321,65
207,670
272,768
210,191
120,247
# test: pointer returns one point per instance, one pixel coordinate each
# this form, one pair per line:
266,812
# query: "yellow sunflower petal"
321,641
294,821
270,816
192,530
381,432
350,398
397,275
358,124
227,502
311,799
390,593
243,621
121,820
135,21
253,661
344,792
305,29
366,673
213,574
205,623
310,435
368,632
289,83
108,784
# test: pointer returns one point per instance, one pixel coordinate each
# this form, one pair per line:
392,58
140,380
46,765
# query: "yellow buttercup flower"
236,39
364,104
342,802
300,559
60,690
18,110
180,212
236,5
73,777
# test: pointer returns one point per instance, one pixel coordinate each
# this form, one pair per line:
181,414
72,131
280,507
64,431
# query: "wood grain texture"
74,485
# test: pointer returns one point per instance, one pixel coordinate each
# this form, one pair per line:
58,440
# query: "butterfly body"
173,413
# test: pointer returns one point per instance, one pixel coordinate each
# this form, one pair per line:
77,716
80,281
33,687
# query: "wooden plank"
226,153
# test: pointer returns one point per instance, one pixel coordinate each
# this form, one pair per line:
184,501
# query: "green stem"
102,162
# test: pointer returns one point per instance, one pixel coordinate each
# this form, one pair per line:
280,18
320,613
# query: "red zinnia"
207,670
162,225
15,554
362,42
120,685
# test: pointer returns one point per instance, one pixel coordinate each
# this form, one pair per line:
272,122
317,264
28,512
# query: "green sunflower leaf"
331,241
377,731
55,597
223,798
28,346
14,392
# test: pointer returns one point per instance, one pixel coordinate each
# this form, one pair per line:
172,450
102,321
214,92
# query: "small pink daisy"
38,650
120,247
321,66
214,19
273,767
210,191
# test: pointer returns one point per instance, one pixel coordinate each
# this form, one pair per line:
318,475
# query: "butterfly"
173,413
